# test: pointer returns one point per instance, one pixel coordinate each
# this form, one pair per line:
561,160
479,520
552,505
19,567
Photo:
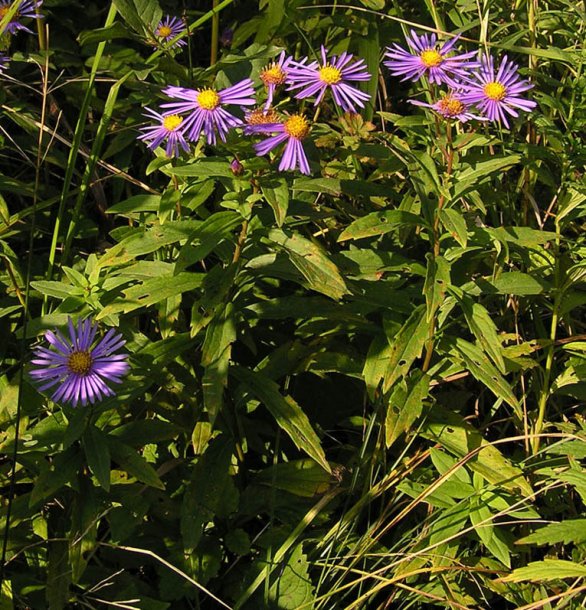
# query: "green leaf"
572,531
476,361
292,588
153,291
405,406
287,413
406,346
59,290
110,32
210,493
513,282
455,224
472,177
303,478
140,13
491,536
484,329
461,439
309,258
63,470
133,463
379,223
216,351
548,569
276,192
437,281
376,364
97,453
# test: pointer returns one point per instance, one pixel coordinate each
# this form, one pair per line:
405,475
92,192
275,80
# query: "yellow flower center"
297,126
450,106
164,31
208,99
259,116
171,122
330,75
495,91
273,75
79,363
431,58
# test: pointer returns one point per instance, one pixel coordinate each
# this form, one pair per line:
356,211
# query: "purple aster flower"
497,92
168,127
27,8
425,59
205,108
236,167
169,28
80,365
293,130
315,79
451,107
274,75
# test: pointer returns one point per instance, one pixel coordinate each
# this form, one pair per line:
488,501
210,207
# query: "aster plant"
292,131
335,74
426,57
79,365
168,29
168,127
204,109
497,91
27,9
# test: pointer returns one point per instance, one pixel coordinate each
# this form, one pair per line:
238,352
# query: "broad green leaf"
133,463
461,439
287,413
110,32
455,224
59,290
376,364
406,346
62,471
548,569
276,192
139,14
437,281
513,282
405,406
210,167
480,323
210,493
472,177
379,223
476,361
216,351
491,536
97,453
314,264
153,291
292,588
572,531
303,478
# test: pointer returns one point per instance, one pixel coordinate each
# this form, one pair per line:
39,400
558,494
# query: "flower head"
451,106
169,28
79,364
292,131
169,127
204,108
334,74
274,75
425,58
496,92
27,9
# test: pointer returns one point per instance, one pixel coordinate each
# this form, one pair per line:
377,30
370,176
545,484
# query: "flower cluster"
493,92
477,89
79,365
198,111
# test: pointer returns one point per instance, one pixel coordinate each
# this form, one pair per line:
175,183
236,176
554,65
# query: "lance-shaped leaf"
309,258
287,413
437,280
